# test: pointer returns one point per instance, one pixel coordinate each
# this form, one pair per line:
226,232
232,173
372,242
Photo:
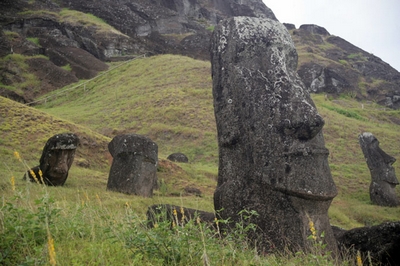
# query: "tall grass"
42,225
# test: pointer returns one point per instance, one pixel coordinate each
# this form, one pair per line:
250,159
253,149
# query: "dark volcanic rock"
5,46
330,64
56,160
333,79
314,29
382,190
272,156
143,20
192,191
381,242
178,157
83,64
134,166
289,26
52,76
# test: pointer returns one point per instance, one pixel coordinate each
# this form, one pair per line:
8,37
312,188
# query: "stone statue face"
267,110
58,162
379,162
382,189
57,158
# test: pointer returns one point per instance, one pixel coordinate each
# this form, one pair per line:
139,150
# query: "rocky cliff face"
77,37
330,64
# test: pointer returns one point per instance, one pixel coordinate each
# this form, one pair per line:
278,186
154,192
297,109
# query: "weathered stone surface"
384,181
56,160
272,156
289,26
314,29
190,190
134,166
382,242
178,157
176,214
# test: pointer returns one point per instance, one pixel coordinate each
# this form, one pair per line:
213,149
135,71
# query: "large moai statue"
272,155
134,166
382,190
56,160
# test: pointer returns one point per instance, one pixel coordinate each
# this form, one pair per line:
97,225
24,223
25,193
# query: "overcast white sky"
372,25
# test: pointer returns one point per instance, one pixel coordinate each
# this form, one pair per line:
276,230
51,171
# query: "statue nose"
62,165
303,129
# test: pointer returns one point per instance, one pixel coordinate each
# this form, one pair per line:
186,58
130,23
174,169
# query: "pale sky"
372,25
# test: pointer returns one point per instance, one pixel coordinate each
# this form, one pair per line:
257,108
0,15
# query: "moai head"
134,166
57,158
383,177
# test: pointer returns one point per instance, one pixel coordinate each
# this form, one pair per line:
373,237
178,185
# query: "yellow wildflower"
41,175
12,180
52,251
359,259
312,229
34,176
175,213
98,198
16,155
183,215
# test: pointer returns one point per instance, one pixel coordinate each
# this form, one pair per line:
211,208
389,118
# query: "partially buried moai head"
56,160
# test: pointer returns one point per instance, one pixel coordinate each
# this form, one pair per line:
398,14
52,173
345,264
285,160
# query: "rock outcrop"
380,243
382,190
56,160
272,156
178,157
134,166
332,65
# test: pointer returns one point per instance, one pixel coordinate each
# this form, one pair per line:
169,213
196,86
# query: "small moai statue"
134,166
382,190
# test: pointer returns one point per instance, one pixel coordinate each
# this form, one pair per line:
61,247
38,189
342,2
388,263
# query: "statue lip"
58,172
306,150
307,194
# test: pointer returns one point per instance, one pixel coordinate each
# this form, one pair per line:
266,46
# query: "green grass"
357,57
67,67
167,98
34,41
77,18
18,71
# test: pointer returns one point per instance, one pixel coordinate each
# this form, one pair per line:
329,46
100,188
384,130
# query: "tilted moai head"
134,166
384,181
56,160
272,155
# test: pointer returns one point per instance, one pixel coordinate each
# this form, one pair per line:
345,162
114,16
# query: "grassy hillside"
167,98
